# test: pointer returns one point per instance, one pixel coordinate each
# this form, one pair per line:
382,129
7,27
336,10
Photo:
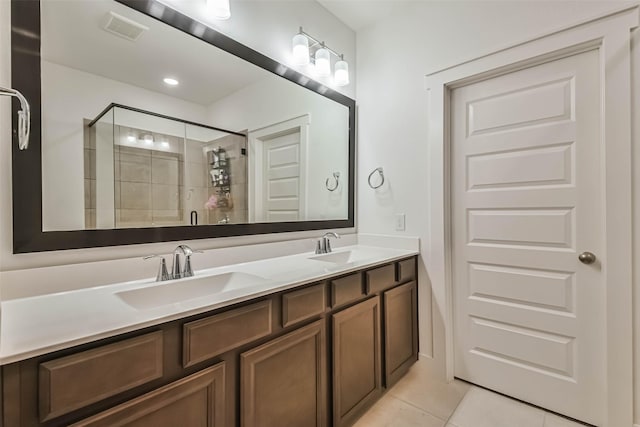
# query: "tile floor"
416,402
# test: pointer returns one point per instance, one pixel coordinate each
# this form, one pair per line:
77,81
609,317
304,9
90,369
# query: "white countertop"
38,325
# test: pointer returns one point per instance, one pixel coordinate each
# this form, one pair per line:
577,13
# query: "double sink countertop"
38,325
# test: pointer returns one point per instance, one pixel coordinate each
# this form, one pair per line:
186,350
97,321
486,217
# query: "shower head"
24,117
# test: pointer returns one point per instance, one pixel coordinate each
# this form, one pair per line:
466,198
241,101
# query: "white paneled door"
526,201
281,189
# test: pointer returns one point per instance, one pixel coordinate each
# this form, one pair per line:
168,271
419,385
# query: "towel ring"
336,176
379,170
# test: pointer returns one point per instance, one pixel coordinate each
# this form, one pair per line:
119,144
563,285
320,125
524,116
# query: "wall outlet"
400,222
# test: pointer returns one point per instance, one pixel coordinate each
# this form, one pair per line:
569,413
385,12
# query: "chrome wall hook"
381,173
24,117
336,177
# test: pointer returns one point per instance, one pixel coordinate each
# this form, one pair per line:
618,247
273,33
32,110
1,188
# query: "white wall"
328,145
393,58
264,26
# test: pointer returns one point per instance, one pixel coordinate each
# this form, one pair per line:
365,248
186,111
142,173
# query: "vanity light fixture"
308,49
170,81
148,139
300,49
323,62
341,77
131,137
219,8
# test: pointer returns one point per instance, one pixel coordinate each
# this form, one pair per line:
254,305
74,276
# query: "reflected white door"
526,201
281,186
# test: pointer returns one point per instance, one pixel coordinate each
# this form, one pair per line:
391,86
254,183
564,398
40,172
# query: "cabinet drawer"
75,381
407,270
380,278
303,304
214,335
197,400
346,289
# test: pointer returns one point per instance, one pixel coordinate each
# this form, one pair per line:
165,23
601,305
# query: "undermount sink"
344,257
176,291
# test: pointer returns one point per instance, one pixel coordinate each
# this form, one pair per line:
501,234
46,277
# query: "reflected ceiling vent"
124,27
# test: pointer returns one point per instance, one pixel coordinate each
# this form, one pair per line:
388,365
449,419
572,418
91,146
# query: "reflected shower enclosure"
142,169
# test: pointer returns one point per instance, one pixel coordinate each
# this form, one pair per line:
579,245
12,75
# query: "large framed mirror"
149,126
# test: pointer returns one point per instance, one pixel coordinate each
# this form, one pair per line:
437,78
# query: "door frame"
256,140
610,34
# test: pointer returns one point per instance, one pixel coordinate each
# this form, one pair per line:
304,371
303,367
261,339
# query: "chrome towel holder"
381,173
336,177
24,117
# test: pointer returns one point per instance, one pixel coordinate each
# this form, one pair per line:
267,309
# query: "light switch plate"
400,222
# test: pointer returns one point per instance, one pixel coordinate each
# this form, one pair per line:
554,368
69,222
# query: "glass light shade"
300,49
323,62
341,76
219,8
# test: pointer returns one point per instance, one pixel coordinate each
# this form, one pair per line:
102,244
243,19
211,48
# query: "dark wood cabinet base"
317,355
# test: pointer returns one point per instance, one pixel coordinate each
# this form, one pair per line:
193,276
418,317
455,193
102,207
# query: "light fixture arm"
321,43
24,116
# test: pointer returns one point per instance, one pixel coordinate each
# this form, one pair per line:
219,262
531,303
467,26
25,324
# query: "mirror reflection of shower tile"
167,217
195,153
135,195
135,168
165,197
197,174
165,171
133,218
116,194
87,193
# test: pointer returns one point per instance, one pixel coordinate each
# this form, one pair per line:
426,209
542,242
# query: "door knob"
587,258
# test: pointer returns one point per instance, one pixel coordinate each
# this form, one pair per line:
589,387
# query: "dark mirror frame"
27,173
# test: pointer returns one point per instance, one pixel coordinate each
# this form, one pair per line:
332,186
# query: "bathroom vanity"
313,352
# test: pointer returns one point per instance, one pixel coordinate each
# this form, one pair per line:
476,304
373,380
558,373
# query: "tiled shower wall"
148,187
148,184
152,187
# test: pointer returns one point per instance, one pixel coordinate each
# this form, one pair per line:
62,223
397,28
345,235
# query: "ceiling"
358,14
73,35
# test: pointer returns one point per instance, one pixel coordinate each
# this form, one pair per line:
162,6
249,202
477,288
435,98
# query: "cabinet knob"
587,258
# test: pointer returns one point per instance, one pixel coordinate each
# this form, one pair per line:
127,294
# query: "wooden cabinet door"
400,331
195,401
356,360
283,382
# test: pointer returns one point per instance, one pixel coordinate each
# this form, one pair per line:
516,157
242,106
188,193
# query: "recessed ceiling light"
170,81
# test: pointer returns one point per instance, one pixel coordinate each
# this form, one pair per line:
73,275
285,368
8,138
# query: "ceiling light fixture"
308,49
219,8
170,81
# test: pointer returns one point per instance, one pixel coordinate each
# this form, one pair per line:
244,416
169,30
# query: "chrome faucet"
323,245
176,271
187,271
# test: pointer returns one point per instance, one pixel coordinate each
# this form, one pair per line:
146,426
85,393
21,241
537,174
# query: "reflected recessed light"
170,81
